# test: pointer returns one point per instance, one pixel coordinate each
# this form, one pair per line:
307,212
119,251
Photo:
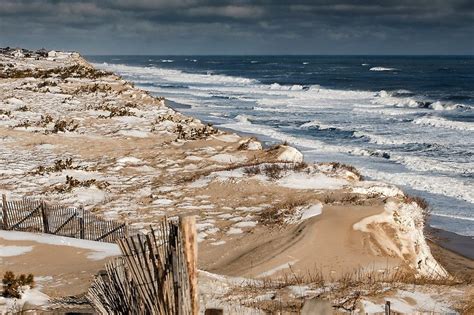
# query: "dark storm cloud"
213,27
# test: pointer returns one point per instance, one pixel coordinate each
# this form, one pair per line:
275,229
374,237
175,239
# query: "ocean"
406,120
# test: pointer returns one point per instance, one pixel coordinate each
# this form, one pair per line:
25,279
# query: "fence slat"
28,216
155,275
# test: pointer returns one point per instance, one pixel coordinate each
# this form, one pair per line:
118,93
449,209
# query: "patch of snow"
312,211
45,146
129,160
290,154
265,297
372,308
254,146
228,137
134,133
311,181
228,158
52,54
233,231
193,158
32,296
245,224
89,195
298,290
202,182
424,302
8,251
99,250
15,101
218,243
277,268
163,202
377,188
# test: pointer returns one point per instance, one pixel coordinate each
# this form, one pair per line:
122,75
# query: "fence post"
81,222
44,215
4,212
387,308
188,230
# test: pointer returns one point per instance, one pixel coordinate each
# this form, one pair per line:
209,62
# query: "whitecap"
382,69
440,122
445,106
244,119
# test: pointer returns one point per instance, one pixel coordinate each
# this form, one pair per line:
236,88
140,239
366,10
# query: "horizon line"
295,55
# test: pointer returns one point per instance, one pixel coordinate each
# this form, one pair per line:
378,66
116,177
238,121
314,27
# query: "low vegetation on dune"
74,71
286,292
72,183
13,286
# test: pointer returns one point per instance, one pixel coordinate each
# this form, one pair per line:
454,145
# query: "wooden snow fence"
157,273
32,215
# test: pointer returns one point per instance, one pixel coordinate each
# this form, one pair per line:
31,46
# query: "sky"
189,27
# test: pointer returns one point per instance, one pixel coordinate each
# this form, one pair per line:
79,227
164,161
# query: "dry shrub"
421,202
23,108
46,83
299,166
12,286
350,168
245,145
94,88
115,111
252,170
59,165
277,214
64,125
468,305
5,112
25,124
72,183
194,133
44,120
277,146
274,171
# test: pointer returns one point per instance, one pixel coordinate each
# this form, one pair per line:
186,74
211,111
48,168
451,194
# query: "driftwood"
157,273
31,215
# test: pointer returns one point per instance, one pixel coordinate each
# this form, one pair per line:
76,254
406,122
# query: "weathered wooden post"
188,230
4,212
44,215
81,222
387,308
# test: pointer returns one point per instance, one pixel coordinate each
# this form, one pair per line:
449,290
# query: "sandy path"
305,246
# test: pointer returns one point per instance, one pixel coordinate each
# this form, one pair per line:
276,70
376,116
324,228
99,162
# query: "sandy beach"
262,213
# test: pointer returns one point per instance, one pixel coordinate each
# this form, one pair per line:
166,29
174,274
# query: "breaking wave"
399,98
382,69
439,122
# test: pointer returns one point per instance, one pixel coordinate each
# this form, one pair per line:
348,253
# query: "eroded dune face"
398,231
261,212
